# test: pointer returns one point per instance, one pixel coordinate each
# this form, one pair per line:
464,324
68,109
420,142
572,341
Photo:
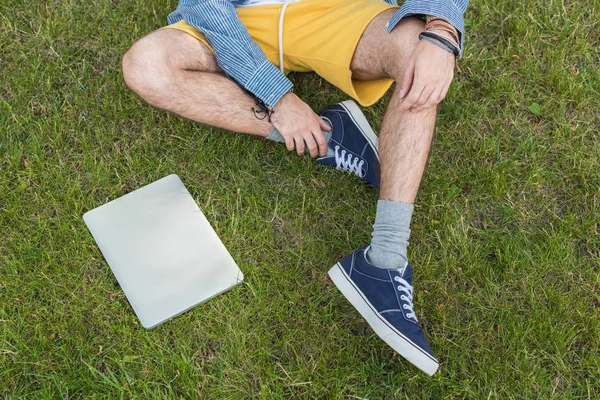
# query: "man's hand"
300,127
427,78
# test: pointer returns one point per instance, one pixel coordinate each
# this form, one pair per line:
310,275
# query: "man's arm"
243,60
451,10
237,54
430,69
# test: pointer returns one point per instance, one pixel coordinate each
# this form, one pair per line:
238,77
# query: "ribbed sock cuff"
391,232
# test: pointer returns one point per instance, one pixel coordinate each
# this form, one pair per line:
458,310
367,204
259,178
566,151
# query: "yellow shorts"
318,35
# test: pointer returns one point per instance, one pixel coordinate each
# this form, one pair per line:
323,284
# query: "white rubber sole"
362,123
395,339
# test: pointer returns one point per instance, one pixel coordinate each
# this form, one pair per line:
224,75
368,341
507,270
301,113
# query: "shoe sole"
395,339
362,123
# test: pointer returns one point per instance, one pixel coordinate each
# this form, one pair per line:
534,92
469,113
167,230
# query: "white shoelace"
349,162
407,295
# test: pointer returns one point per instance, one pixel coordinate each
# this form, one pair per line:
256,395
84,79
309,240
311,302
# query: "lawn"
505,242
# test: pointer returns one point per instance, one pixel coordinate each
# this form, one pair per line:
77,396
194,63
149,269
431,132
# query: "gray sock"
390,234
276,137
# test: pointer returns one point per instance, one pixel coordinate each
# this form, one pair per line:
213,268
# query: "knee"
145,66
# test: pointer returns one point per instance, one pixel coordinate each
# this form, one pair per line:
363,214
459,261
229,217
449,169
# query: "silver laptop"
162,250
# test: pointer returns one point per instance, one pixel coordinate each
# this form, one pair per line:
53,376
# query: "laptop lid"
162,250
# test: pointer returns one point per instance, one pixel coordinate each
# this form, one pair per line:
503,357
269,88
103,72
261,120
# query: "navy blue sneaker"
353,146
384,298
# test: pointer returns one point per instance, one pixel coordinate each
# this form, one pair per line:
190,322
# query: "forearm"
237,54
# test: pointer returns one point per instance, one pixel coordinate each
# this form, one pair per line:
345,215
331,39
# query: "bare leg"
174,71
384,299
405,137
404,151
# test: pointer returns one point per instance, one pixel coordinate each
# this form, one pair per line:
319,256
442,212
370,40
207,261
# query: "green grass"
505,238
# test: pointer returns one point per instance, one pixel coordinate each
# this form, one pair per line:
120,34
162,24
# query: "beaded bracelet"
441,23
445,28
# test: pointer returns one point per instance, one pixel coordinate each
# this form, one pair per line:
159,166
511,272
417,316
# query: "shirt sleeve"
451,10
237,54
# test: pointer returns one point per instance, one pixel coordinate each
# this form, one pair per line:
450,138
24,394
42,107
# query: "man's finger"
321,143
430,101
412,97
444,92
311,145
407,80
434,99
300,147
423,97
324,125
320,137
289,143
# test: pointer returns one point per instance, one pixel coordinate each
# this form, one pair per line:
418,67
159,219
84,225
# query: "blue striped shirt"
244,61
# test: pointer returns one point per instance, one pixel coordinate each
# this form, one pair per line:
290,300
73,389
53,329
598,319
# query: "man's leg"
405,137
377,279
174,71
404,140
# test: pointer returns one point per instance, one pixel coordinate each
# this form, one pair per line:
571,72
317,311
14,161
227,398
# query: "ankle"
391,232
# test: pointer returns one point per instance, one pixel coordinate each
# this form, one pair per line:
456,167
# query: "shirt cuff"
449,12
269,84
